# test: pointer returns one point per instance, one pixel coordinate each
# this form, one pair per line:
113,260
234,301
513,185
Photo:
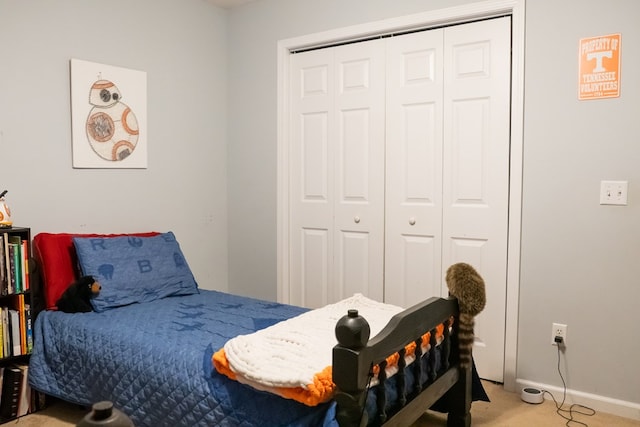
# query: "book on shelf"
25,265
14,325
15,248
29,327
24,398
7,332
11,285
7,265
22,323
1,379
11,388
3,266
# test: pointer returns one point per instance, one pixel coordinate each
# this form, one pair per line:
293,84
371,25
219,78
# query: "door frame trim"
447,16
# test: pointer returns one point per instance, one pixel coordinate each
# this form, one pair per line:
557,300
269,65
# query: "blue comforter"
153,361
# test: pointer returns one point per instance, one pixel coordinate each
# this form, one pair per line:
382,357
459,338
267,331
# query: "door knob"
356,219
412,221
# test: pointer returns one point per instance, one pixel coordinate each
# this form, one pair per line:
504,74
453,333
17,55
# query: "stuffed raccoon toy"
467,286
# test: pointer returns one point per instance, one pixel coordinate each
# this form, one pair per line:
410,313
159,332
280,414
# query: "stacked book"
16,331
16,396
14,264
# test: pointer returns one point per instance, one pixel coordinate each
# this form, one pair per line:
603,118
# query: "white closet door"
359,174
413,236
312,177
476,171
440,99
337,183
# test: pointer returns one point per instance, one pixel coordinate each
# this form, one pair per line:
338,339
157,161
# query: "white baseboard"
617,407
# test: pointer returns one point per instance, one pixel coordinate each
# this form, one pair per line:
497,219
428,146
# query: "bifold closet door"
447,169
414,117
399,167
476,171
337,173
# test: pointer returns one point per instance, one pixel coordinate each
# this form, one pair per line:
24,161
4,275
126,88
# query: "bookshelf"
16,315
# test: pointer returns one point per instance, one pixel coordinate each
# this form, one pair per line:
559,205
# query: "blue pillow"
133,269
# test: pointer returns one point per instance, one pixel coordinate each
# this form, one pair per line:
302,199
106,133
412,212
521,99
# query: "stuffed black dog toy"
77,297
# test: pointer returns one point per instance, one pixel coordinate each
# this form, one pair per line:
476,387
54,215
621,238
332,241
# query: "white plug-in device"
532,395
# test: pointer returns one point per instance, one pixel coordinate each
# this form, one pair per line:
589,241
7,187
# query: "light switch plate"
613,192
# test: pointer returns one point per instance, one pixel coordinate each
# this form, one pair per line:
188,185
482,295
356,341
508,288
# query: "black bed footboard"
355,356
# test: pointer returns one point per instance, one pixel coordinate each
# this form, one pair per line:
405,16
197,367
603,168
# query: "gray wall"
578,263
212,136
181,45
579,259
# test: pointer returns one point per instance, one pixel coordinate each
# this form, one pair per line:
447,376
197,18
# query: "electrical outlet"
558,330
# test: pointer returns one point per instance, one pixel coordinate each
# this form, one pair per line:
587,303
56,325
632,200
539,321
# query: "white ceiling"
229,4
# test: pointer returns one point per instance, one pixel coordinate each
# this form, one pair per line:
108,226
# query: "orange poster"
599,71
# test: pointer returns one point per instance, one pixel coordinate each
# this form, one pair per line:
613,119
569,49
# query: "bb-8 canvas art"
112,128
107,131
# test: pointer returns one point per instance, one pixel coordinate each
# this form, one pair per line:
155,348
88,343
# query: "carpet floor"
505,410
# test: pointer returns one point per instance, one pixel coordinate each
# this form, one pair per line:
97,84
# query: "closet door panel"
359,169
337,174
354,272
476,170
418,256
314,265
413,235
312,178
468,180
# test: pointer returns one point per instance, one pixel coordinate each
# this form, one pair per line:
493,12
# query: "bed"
153,354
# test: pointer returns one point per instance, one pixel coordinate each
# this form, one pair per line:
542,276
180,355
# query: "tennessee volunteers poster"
599,70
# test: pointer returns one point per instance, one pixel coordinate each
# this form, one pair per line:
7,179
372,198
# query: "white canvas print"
108,116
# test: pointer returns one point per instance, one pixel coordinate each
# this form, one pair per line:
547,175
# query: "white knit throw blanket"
289,353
